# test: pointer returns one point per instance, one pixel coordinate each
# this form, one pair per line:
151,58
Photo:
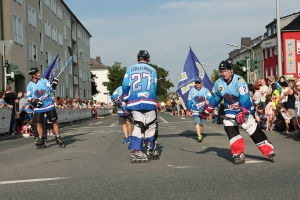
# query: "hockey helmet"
143,55
33,70
225,65
198,80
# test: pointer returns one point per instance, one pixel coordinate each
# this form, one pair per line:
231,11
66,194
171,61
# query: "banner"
192,69
49,73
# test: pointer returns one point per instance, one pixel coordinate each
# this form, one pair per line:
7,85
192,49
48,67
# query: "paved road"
96,165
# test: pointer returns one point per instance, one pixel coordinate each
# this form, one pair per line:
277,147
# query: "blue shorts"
199,120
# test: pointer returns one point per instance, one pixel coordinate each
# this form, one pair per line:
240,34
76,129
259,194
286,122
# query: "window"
60,38
271,52
266,53
47,28
276,70
61,64
53,6
62,90
31,16
42,68
40,10
68,22
266,73
70,68
54,33
48,57
59,12
298,46
80,93
71,91
32,51
41,42
271,71
17,30
19,1
47,3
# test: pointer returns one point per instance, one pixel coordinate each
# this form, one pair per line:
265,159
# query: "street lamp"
206,64
235,45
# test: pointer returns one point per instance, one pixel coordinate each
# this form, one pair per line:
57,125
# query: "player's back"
139,87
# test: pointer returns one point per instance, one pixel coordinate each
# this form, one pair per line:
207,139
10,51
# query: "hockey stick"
71,57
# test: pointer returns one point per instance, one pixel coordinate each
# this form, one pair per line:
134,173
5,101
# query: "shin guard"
237,144
261,141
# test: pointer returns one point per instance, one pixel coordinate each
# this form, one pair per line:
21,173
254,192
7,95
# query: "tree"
238,71
94,85
115,77
163,84
214,76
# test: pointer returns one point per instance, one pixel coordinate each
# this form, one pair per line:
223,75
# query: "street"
96,165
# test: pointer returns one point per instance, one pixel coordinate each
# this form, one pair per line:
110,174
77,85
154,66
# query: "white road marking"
114,124
183,167
163,120
31,180
254,161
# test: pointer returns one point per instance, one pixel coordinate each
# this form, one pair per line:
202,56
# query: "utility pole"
278,29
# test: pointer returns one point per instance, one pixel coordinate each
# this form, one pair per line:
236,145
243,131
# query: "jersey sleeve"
244,99
126,85
216,97
29,92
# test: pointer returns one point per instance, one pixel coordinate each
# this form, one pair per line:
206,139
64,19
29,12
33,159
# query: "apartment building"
41,29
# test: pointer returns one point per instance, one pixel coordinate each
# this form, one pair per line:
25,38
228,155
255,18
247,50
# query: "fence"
64,115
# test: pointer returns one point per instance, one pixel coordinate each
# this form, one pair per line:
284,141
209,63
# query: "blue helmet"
198,80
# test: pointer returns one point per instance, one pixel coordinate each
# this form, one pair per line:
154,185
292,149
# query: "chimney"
98,59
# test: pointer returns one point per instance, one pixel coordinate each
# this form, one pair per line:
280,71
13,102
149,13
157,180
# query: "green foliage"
238,71
214,76
115,77
163,84
94,85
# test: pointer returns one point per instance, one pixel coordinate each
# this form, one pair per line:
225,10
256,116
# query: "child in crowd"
26,129
285,114
260,117
269,113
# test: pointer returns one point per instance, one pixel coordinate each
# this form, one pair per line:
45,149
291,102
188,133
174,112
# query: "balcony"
74,36
74,58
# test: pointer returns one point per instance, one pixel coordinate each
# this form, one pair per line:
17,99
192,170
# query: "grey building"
41,29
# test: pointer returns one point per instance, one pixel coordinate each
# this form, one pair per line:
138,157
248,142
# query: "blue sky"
120,28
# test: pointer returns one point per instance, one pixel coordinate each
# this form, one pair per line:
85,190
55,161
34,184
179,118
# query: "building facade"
41,29
101,72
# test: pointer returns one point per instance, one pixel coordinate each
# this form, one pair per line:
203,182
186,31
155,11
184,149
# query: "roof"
97,65
294,25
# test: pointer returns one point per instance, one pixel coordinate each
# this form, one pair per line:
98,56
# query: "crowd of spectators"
276,105
22,111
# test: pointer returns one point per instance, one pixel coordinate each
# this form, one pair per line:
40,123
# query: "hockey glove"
240,117
36,102
117,101
54,83
206,111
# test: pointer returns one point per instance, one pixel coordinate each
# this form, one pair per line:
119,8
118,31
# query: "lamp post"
206,64
235,45
278,30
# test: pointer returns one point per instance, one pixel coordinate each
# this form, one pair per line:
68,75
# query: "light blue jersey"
235,94
196,100
37,90
139,87
118,94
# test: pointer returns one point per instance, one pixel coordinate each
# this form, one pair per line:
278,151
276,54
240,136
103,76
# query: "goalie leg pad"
151,130
237,144
261,141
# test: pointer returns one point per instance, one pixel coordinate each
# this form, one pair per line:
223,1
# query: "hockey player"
198,97
139,90
123,115
238,107
42,103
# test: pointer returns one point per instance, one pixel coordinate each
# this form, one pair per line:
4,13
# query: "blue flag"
49,73
192,69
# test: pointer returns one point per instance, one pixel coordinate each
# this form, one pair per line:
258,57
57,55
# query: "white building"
101,71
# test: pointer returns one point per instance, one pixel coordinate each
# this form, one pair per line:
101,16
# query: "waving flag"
192,69
49,73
